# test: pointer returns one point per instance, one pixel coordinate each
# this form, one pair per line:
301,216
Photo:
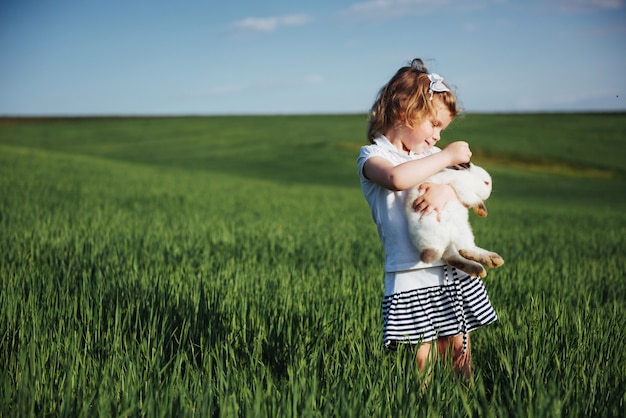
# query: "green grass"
229,267
578,141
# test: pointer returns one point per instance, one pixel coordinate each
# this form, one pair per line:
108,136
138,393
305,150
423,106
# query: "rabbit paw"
489,259
495,261
469,267
480,210
428,255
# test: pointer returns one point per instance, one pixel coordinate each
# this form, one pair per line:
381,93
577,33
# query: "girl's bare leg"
461,362
426,357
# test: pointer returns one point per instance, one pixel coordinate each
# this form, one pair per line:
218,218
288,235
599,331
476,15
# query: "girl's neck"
395,138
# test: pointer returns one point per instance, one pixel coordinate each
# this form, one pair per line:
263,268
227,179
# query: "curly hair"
406,99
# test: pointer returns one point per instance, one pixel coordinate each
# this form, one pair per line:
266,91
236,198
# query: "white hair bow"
436,84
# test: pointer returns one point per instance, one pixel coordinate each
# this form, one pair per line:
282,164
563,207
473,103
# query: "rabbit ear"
461,166
480,210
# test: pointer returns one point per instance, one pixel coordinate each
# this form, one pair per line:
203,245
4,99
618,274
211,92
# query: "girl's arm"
411,173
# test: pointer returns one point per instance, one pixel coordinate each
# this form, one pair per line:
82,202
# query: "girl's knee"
462,358
457,347
424,355
460,348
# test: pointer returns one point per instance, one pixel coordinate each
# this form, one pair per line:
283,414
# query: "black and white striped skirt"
458,305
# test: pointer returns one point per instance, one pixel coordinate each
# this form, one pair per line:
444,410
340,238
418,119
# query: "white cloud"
313,80
372,7
394,8
469,27
579,6
382,8
269,24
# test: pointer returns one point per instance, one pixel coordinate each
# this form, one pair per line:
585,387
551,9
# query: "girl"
423,303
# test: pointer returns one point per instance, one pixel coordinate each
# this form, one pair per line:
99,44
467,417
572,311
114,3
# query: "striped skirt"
457,306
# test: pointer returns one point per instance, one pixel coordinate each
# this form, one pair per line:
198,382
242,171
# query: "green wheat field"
229,267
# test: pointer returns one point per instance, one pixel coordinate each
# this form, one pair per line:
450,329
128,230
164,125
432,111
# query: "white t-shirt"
387,209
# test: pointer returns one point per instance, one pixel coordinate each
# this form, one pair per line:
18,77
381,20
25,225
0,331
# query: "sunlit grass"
137,286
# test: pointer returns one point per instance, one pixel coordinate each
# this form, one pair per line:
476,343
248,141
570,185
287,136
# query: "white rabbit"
451,238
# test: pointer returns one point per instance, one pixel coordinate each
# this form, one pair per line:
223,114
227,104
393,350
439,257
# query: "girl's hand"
434,198
458,152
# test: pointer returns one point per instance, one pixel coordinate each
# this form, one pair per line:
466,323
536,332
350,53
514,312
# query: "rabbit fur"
451,238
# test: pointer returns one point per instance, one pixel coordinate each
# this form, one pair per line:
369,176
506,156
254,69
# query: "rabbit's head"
481,181
473,185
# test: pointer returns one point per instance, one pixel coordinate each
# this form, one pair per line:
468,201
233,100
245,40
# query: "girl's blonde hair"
406,99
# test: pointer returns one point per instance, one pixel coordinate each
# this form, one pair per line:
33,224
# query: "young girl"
423,303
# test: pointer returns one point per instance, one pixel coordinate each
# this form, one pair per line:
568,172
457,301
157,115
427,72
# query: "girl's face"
425,135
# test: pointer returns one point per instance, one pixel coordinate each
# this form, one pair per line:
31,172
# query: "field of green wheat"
229,266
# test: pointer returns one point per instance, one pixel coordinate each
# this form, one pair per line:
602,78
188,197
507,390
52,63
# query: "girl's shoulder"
371,149
380,146
376,150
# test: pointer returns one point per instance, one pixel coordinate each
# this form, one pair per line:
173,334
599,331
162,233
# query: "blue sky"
136,57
